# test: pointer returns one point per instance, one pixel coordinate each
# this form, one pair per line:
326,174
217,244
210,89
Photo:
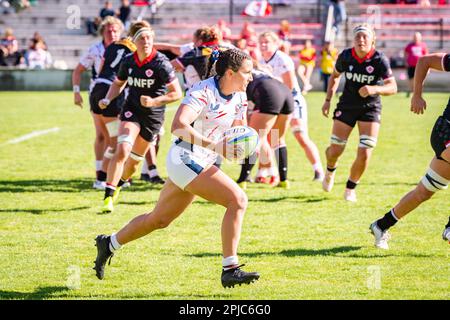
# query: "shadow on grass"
298,198
39,294
64,185
289,253
41,211
335,252
43,293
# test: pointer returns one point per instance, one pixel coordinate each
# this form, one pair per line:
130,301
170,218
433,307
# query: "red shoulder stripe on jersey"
146,60
223,114
361,60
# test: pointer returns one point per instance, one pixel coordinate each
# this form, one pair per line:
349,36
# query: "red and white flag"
260,8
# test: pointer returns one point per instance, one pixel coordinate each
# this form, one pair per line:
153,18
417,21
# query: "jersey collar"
216,81
210,43
361,60
146,60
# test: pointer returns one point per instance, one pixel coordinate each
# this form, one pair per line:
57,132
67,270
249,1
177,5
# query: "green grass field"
305,243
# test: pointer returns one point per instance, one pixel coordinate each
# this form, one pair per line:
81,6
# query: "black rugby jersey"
149,78
370,70
113,56
200,58
446,65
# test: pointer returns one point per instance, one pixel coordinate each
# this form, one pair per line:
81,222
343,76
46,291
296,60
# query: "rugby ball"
244,137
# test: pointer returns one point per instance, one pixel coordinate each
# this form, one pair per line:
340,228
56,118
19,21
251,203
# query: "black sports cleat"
145,177
103,254
235,276
157,180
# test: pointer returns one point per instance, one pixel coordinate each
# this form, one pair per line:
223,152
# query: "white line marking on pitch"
32,135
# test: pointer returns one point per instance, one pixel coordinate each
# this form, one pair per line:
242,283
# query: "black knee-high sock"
387,221
101,175
246,167
448,224
282,160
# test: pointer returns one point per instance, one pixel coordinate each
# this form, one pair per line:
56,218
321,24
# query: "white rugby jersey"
278,64
92,59
216,112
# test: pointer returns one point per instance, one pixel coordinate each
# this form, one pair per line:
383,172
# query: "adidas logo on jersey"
361,78
141,83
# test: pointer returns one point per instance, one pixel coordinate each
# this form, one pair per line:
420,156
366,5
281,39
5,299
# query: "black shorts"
98,93
150,123
272,97
440,136
411,71
351,116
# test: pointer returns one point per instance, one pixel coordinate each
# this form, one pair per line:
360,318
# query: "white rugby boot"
381,237
350,195
328,181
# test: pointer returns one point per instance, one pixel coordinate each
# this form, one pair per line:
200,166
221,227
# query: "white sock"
114,244
98,165
153,173
229,262
144,169
273,171
317,167
262,172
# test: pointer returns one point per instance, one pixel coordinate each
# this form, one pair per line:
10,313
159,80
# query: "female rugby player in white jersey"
110,30
283,69
209,108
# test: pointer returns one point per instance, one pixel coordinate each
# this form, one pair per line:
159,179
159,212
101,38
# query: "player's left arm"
389,86
174,93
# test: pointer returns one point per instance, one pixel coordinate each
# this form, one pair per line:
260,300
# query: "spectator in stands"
250,36
328,57
284,33
339,13
413,51
37,37
307,63
92,26
107,10
226,32
124,13
37,57
9,50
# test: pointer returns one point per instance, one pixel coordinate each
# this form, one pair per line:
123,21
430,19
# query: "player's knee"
157,221
337,143
239,200
113,128
122,152
367,142
434,182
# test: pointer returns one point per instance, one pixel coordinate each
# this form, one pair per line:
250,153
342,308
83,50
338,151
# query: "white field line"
31,135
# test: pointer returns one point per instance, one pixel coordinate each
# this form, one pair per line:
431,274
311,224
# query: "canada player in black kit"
437,176
367,76
112,57
152,84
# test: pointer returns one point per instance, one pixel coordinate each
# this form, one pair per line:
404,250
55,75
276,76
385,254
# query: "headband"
362,29
140,32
